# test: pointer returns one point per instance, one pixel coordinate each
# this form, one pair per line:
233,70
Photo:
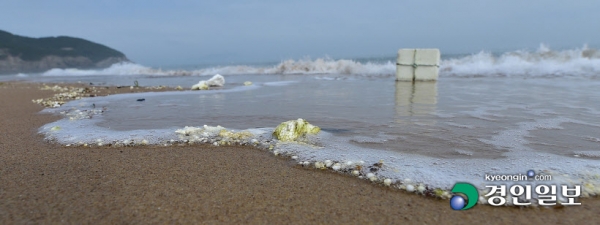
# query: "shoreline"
49,183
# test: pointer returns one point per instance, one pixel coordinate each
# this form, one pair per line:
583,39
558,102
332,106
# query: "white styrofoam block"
417,64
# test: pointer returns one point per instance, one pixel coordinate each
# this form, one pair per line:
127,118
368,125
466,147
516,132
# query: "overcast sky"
160,33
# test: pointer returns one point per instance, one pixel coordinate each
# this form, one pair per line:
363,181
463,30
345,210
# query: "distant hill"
20,54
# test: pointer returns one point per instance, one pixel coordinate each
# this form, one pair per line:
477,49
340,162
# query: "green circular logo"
457,202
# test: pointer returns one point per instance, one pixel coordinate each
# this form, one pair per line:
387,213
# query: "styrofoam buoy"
417,64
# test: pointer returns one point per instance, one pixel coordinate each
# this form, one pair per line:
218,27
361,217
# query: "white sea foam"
591,154
318,66
495,136
307,66
115,69
544,62
442,173
82,116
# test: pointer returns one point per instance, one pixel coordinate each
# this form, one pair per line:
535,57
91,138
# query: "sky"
163,33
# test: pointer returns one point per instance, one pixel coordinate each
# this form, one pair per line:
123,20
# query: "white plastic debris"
336,166
216,81
328,163
387,182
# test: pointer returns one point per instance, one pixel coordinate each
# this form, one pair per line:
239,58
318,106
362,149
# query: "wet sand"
45,183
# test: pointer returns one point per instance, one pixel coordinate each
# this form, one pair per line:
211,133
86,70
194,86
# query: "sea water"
487,114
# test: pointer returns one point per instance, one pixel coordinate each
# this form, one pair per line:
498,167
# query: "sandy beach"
45,183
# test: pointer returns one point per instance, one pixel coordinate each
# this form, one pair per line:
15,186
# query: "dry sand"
46,183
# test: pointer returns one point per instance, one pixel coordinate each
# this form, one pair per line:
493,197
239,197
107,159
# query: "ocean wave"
306,66
543,62
124,68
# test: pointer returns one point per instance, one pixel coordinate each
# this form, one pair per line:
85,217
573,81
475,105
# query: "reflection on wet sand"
416,101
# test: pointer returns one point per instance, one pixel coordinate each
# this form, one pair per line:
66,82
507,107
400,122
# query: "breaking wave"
125,68
307,66
318,66
543,62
